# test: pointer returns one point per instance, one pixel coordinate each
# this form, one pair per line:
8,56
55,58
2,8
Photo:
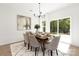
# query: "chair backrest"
33,41
26,38
53,44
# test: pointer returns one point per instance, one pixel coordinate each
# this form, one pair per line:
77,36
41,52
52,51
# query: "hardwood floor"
74,50
6,51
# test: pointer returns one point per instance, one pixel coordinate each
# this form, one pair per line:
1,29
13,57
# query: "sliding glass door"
61,26
53,26
64,26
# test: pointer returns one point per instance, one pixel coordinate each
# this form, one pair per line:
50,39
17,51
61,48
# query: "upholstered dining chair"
52,46
34,43
26,39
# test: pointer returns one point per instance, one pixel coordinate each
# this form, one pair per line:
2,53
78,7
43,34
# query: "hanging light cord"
39,11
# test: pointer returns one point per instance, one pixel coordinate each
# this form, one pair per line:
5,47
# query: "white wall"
72,12
8,24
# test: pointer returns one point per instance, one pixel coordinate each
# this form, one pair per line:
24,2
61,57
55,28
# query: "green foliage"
37,26
53,26
64,25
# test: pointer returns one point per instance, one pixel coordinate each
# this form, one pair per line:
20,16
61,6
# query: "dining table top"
44,36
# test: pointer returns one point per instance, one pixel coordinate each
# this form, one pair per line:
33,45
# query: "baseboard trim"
12,43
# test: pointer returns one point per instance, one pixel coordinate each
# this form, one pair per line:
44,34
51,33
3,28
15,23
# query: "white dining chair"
53,45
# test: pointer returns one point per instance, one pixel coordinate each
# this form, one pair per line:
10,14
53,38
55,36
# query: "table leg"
43,48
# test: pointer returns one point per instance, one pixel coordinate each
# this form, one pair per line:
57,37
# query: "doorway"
61,27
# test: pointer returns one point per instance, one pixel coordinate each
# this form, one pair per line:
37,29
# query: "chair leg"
43,52
35,51
28,46
31,48
51,52
56,52
37,48
24,44
48,52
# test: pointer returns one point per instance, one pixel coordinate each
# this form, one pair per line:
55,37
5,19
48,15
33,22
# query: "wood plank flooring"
6,51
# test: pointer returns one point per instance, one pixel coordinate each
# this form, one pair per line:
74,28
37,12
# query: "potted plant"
37,27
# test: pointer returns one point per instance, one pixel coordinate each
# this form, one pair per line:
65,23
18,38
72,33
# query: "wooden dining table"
42,40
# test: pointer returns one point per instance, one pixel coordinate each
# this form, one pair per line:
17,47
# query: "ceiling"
33,7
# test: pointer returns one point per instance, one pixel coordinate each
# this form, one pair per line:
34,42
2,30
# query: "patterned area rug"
18,49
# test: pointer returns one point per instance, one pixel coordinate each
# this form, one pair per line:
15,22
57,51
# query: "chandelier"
40,15
39,11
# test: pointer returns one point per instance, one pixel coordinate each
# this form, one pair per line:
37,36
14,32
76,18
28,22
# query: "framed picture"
23,22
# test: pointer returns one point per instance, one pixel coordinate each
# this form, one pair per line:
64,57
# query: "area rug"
18,49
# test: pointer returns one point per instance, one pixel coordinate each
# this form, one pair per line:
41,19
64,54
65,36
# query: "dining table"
42,39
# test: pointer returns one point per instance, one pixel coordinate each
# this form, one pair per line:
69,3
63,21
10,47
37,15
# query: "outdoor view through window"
63,26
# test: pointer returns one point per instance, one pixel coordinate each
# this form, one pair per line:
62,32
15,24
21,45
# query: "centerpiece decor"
37,27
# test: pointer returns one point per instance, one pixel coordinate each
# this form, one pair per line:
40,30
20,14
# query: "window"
44,26
64,26
23,22
61,26
53,26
